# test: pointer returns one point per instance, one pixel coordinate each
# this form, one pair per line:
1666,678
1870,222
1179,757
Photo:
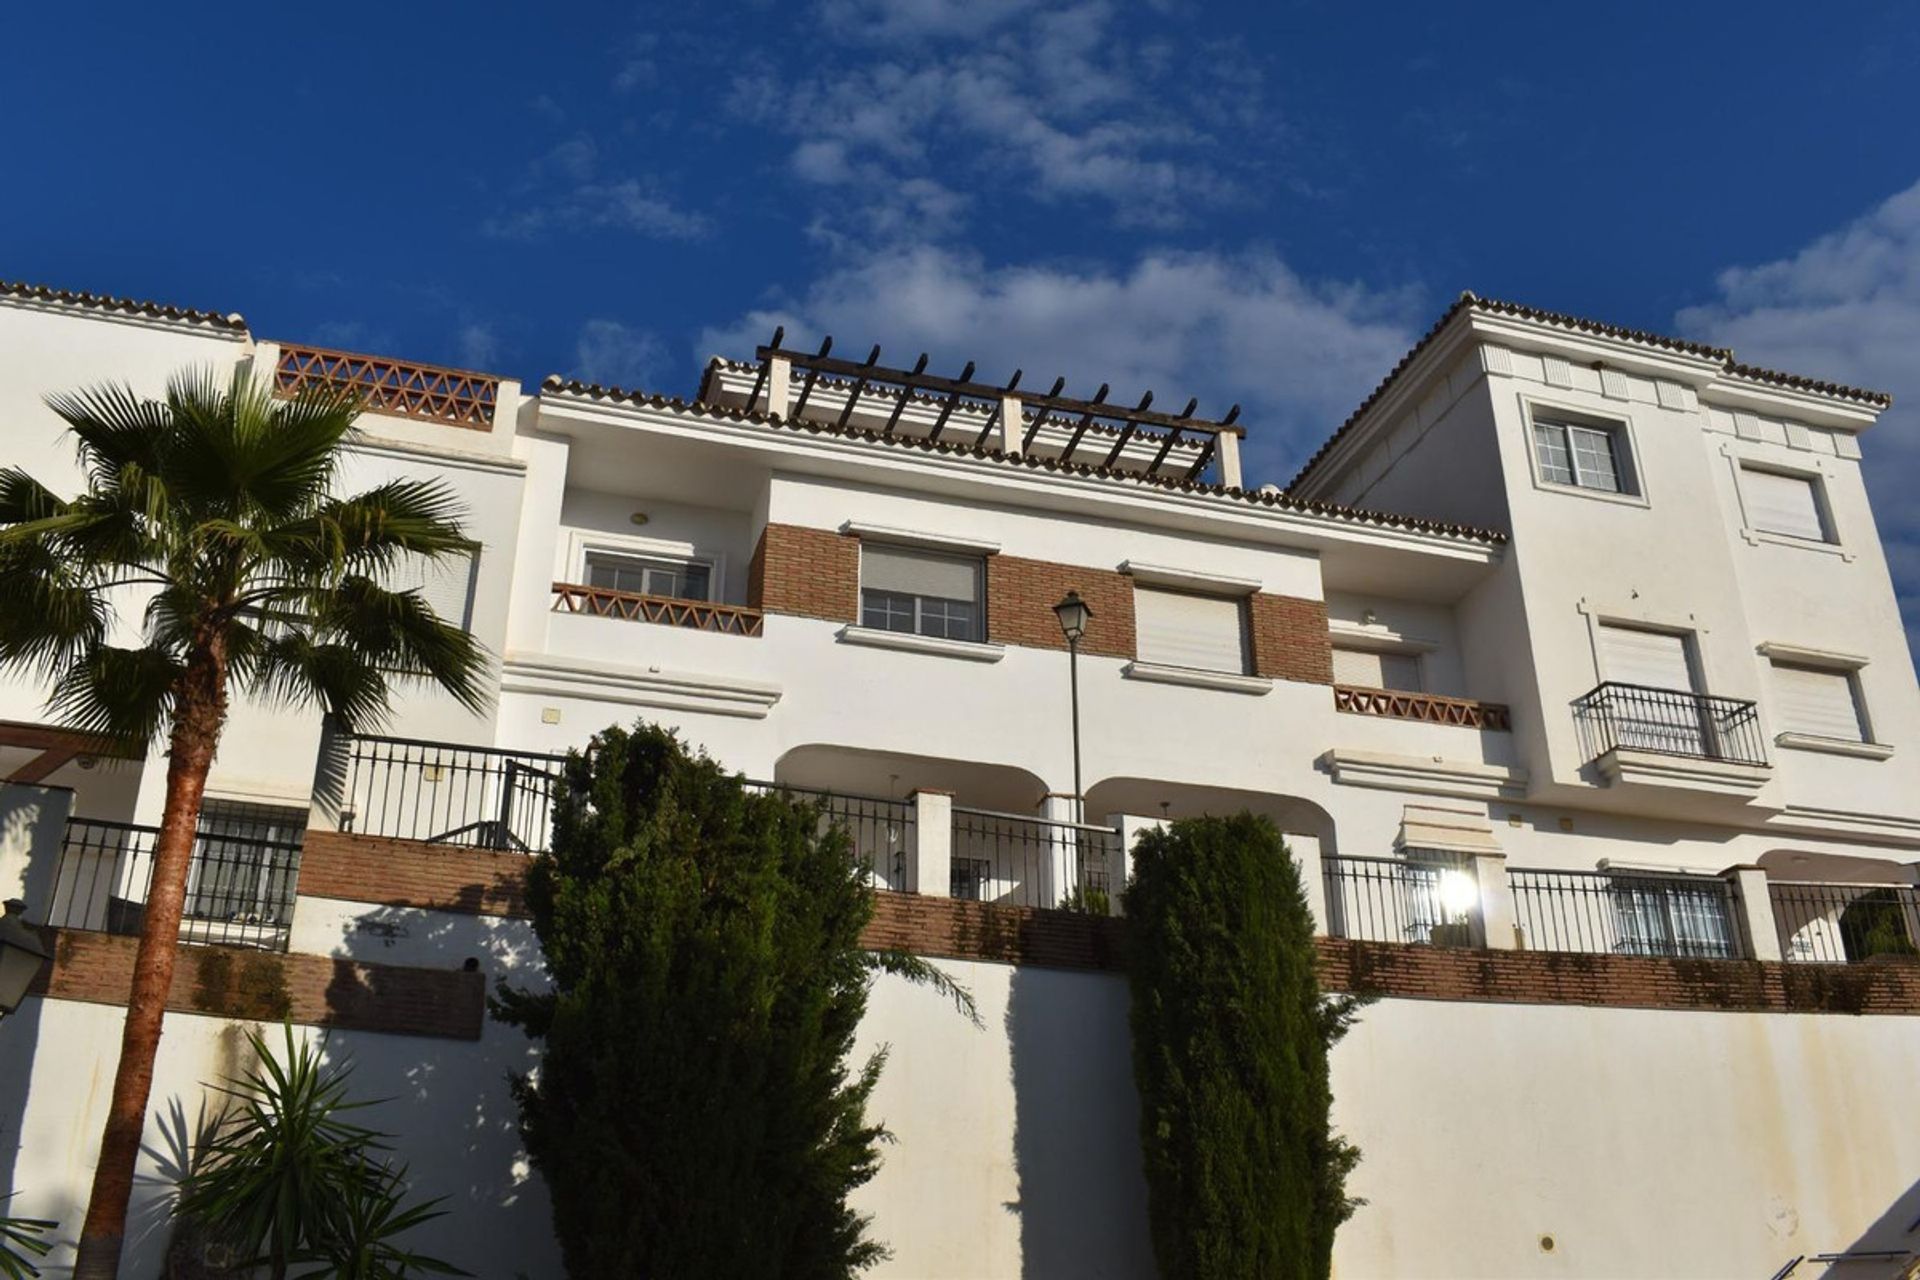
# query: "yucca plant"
285,1179
217,502
20,1243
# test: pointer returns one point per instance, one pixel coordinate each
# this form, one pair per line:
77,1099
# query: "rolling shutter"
445,582
1369,669
1817,701
919,573
1656,659
1178,629
1786,504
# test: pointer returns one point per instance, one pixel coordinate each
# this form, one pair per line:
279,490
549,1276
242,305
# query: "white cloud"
563,191
617,355
1297,354
1846,308
478,346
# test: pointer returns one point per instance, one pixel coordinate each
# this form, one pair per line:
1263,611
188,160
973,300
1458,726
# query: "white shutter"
1369,669
444,582
920,573
1178,629
1657,659
1786,504
1817,701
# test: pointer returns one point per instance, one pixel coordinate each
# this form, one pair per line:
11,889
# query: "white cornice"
1424,775
920,538
1168,576
608,682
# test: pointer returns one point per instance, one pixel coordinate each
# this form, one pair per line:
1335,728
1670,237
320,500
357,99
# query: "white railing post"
329,811
1754,904
930,866
1313,876
1062,851
33,828
1131,827
1496,901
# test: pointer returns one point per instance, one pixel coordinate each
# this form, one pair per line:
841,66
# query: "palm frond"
24,499
902,964
370,531
292,670
273,459
114,426
400,633
50,613
122,694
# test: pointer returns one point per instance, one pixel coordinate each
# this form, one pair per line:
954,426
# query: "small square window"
1785,503
1582,455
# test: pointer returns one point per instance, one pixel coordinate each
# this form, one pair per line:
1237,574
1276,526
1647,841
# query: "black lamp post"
21,955
1074,615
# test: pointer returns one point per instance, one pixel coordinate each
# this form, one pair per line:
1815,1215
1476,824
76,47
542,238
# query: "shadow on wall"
1076,1145
1882,1249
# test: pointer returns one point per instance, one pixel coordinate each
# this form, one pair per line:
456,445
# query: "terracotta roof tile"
1254,497
1493,306
126,306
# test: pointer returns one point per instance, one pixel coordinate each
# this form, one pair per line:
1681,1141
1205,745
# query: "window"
1660,710
1377,669
1582,455
967,878
244,862
926,593
1791,505
445,583
1670,917
1185,629
650,575
1821,702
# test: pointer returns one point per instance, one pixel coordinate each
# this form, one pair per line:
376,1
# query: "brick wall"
1021,594
1290,639
811,573
948,927
234,982
413,873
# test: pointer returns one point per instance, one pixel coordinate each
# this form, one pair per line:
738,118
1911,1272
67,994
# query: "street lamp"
21,955
1074,616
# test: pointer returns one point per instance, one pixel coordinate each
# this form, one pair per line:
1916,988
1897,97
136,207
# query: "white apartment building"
1571,665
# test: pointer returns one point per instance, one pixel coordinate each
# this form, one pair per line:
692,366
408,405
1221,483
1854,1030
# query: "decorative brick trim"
458,397
1429,707
1290,639
810,573
669,611
1021,594
956,929
1623,982
413,873
266,986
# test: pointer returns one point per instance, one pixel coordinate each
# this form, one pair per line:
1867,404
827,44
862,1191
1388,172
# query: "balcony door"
1661,710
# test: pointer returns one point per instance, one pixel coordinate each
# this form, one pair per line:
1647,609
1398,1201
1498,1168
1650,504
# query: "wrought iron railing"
1429,707
881,832
1020,861
444,793
700,615
457,396
1629,913
1824,923
1430,899
240,885
1672,722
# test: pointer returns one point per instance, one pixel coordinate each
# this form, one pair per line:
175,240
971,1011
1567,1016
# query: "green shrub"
694,1113
1245,1176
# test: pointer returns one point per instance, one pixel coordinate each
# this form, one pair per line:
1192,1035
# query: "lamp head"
1074,614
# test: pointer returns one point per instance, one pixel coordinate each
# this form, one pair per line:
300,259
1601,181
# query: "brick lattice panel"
266,986
1428,707
409,390
413,873
631,606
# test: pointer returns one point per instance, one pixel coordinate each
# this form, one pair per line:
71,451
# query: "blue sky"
1259,203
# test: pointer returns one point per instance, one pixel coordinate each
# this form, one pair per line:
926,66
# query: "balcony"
669,611
1673,738
455,396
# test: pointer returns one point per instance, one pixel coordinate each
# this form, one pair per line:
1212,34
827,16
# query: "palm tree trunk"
199,713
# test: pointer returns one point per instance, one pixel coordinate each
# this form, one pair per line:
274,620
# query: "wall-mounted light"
1368,618
639,517
1459,894
86,762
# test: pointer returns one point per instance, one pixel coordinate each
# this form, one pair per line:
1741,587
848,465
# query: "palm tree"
214,504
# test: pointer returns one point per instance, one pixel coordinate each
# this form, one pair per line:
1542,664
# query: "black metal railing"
1431,900
444,793
881,831
1671,722
1032,862
1845,923
240,885
1625,913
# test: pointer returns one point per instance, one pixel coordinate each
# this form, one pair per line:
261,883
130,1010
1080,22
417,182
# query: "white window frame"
1242,609
1869,747
1817,471
931,551
1536,411
580,543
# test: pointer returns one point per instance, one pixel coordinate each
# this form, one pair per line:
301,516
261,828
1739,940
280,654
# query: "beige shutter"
1369,669
444,582
919,573
1817,701
1181,629
1786,504
1656,659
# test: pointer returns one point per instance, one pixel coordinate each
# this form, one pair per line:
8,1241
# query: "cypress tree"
1245,1176
694,1113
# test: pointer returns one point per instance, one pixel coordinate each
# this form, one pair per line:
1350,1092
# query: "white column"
1496,901
1011,428
33,821
1131,826
1056,865
929,868
1313,877
1229,450
1754,904
779,385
